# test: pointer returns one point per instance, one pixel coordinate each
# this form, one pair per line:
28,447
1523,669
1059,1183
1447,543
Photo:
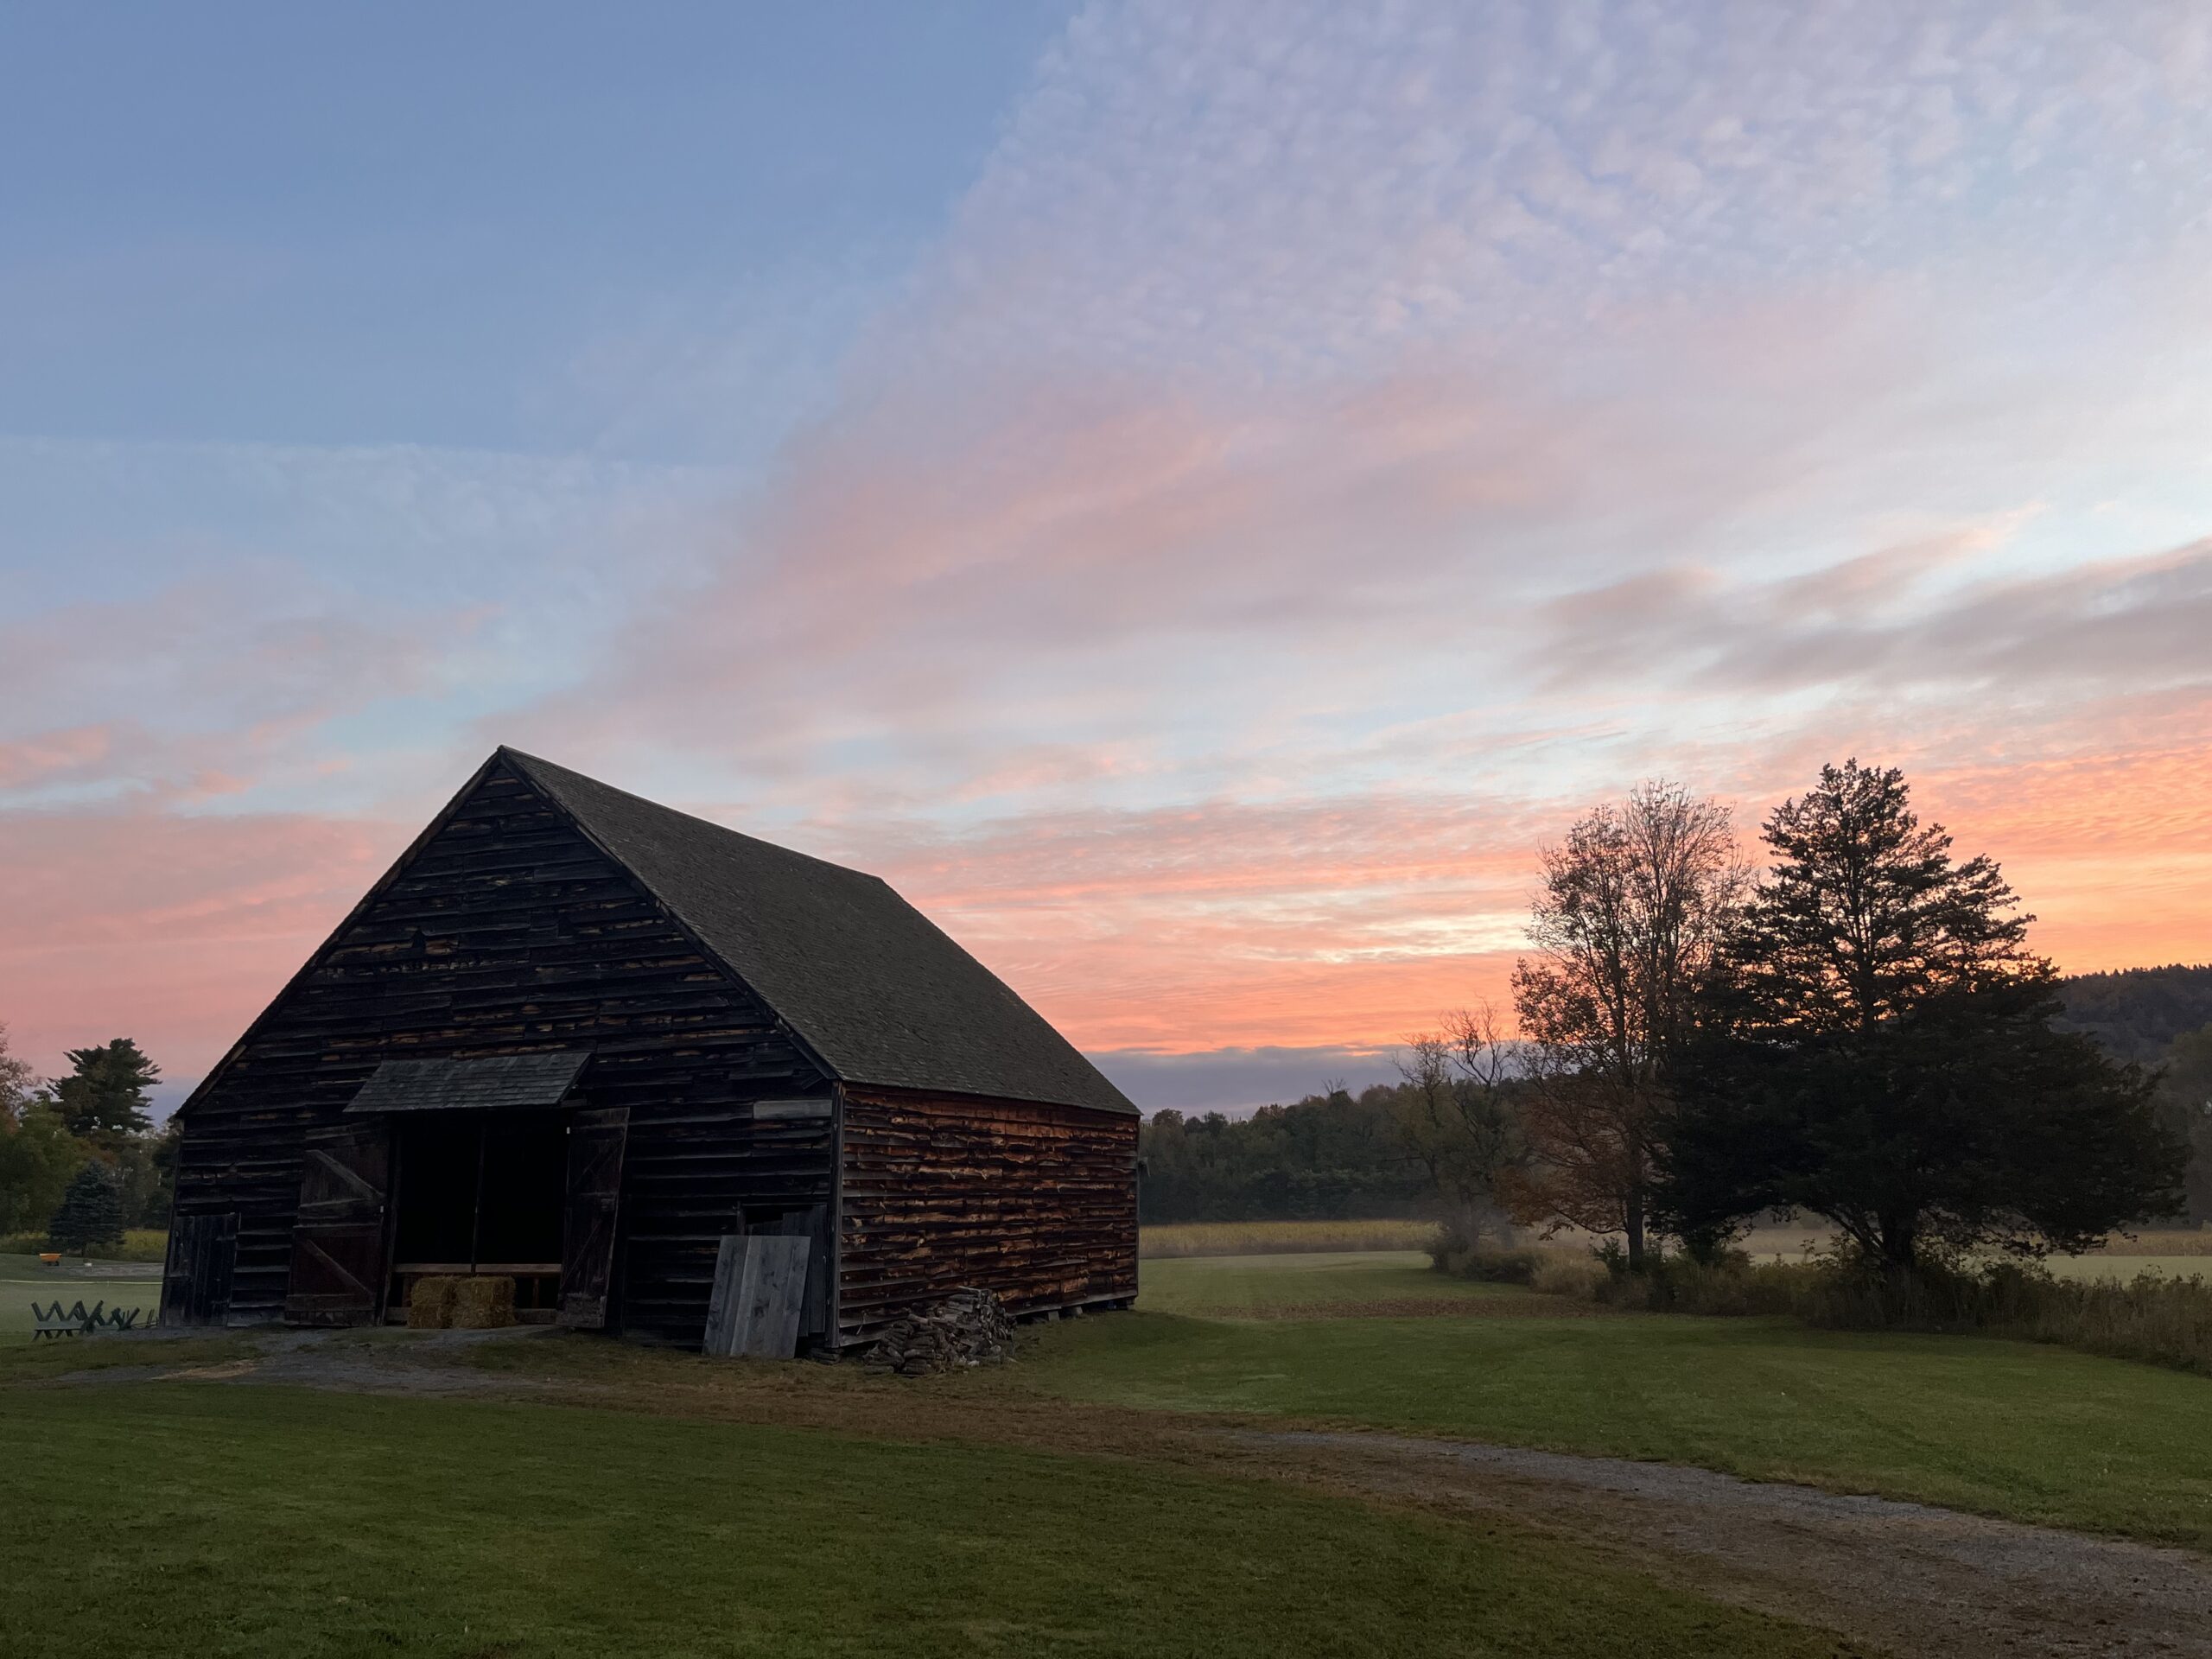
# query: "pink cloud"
173,929
31,761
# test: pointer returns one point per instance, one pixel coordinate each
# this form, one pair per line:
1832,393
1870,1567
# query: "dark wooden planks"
1035,1201
196,1277
338,1224
597,1138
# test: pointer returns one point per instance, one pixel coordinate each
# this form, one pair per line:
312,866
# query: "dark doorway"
482,1192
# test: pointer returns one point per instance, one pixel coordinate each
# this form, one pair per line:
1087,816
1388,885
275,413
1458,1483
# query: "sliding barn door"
338,1265
596,1140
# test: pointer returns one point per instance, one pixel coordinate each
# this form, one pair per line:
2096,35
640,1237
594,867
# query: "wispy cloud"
2128,623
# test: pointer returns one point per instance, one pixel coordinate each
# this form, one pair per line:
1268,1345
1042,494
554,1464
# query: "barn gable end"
505,930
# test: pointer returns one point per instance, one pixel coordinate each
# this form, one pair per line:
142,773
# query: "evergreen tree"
1879,1048
91,1215
105,1098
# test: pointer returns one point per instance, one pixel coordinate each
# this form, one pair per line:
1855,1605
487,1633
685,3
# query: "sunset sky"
1194,495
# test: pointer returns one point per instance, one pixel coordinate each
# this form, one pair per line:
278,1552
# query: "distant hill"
2136,1011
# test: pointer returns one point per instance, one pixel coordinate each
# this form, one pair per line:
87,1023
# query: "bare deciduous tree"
1456,1116
1625,928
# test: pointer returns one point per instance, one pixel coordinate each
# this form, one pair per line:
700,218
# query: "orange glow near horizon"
1174,933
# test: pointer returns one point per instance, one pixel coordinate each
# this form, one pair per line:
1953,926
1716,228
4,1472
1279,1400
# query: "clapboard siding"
506,930
1036,1202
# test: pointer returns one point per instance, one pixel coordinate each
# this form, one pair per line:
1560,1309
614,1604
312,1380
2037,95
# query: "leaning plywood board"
759,1290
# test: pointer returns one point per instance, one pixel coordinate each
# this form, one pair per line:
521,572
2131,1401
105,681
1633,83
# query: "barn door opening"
596,1141
480,1192
338,1238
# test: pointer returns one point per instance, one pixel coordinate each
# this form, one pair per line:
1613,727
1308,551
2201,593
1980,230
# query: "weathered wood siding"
1035,1201
508,930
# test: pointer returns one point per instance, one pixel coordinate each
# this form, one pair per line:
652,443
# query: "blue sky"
484,228
1194,495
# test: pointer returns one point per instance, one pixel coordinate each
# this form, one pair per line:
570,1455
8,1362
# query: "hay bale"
429,1302
484,1303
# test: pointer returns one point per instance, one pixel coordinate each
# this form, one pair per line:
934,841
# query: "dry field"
1276,1237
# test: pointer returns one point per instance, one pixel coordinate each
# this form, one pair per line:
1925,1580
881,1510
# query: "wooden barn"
581,1039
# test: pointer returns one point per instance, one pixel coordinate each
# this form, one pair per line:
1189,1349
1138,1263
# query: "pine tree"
91,1215
105,1098
1879,1048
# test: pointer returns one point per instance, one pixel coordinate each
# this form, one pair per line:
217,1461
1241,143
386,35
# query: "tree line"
1857,1030
2139,1014
80,1160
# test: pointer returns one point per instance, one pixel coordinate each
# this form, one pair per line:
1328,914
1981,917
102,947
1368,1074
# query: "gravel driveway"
1905,1576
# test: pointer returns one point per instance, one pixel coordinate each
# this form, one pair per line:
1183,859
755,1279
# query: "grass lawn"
2035,1432
1268,1285
255,1520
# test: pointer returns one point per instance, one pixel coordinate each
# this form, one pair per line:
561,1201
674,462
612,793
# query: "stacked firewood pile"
970,1327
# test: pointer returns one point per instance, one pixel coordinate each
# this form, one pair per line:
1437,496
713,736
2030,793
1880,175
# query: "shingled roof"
872,986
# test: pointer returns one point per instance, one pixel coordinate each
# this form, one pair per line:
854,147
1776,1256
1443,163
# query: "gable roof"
872,986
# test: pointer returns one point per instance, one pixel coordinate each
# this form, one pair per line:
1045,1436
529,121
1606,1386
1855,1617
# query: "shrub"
1728,1284
1466,1254
1498,1266
1571,1273
1554,1270
2163,1321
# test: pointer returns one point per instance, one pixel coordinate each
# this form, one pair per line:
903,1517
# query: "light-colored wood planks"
759,1292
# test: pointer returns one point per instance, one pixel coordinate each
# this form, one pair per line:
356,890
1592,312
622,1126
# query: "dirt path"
1906,1576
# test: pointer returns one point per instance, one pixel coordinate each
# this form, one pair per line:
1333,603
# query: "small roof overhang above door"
500,1082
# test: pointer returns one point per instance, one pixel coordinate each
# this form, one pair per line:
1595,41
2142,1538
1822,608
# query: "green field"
2018,1429
256,1521
698,1508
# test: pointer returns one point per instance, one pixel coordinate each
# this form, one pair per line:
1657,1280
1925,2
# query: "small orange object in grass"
52,1258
